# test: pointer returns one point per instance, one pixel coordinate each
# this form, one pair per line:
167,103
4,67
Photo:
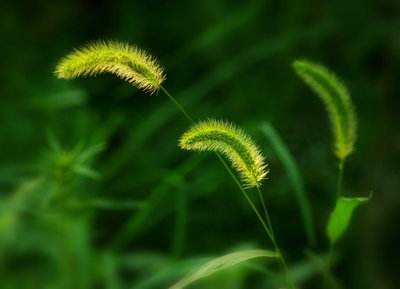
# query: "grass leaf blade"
340,217
222,263
294,176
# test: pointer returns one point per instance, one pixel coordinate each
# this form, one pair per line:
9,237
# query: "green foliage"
139,216
127,62
340,217
222,263
231,141
294,176
337,101
62,164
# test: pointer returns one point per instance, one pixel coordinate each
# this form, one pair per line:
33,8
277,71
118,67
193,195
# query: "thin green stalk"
267,228
339,189
340,179
262,201
180,107
273,239
248,199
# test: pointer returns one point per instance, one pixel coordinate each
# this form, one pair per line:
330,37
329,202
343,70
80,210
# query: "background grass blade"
156,204
222,263
293,173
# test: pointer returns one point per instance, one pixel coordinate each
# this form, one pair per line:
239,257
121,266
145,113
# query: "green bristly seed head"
337,101
127,62
234,143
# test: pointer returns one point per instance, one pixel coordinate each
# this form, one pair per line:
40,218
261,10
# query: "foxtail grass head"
337,101
232,142
127,62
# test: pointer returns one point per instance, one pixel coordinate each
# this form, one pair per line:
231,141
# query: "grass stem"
340,179
178,105
266,226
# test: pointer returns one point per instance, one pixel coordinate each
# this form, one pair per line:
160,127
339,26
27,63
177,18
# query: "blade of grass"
294,176
222,263
144,217
181,215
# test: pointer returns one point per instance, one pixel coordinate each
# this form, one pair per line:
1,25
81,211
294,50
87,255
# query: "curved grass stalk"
127,62
229,140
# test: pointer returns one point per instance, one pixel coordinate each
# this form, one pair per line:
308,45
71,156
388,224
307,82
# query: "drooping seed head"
125,61
231,141
337,102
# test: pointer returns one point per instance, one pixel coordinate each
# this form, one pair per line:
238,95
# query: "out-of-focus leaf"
70,97
294,176
222,263
155,208
341,216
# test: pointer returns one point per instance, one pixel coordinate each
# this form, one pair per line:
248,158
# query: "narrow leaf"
341,216
294,176
234,143
337,101
222,263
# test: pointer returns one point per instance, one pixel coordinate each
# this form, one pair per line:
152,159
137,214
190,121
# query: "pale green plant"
138,68
231,141
125,61
246,158
337,101
343,120
142,70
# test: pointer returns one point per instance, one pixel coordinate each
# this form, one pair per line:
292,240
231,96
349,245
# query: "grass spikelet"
234,143
337,101
127,62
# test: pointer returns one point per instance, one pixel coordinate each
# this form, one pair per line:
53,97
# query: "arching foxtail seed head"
338,103
125,61
232,142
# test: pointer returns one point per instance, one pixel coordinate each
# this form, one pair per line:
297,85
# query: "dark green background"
223,59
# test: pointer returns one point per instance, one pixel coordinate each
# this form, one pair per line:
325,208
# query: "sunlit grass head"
337,101
231,141
125,61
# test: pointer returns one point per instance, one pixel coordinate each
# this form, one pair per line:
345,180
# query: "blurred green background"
95,193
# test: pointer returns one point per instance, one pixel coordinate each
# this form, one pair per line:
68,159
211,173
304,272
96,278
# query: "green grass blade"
181,217
294,176
145,217
109,264
341,216
222,263
106,204
337,101
159,277
219,32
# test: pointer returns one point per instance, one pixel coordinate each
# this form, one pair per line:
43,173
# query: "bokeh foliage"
95,193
